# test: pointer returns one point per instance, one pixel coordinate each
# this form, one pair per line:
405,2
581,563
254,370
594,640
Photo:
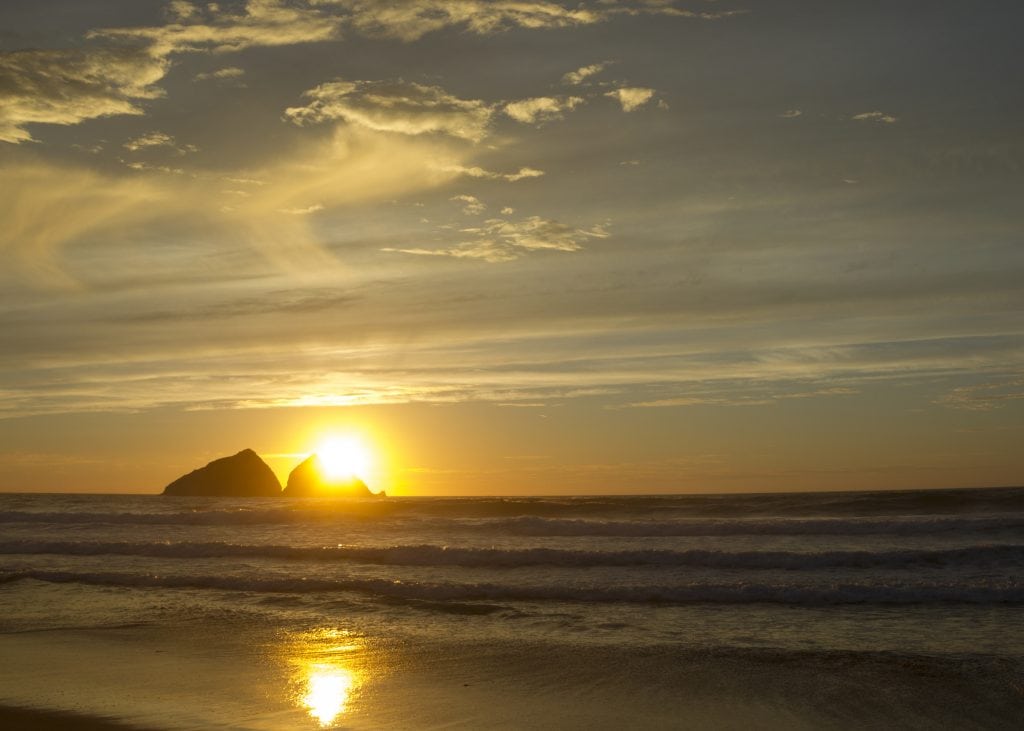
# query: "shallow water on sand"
781,611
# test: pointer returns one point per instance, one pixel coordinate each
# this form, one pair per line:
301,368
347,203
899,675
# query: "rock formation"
243,475
310,480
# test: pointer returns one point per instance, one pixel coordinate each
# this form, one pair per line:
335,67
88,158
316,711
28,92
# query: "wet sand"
32,719
234,679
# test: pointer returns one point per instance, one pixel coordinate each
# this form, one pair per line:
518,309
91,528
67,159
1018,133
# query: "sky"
518,246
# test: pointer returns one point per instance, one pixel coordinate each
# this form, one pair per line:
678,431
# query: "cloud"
501,240
541,109
876,116
211,27
181,10
985,396
68,86
791,114
535,233
395,106
631,97
475,171
157,140
578,76
488,251
228,73
303,211
53,215
409,20
667,7
733,394
44,207
472,206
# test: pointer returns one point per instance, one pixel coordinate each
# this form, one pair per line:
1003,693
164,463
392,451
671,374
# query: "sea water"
823,610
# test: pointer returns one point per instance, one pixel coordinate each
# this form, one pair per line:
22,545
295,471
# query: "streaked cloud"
631,97
541,109
395,106
791,114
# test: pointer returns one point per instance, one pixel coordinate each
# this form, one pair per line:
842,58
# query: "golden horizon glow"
345,457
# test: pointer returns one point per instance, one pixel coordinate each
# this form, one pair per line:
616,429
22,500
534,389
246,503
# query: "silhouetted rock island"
309,480
242,475
247,475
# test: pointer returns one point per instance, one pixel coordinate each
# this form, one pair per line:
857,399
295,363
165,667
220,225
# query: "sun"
344,457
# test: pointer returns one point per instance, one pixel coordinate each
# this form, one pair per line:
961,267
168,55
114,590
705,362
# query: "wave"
539,526
531,526
1008,592
433,555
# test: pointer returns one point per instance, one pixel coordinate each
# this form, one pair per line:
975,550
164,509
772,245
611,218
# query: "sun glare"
327,693
344,457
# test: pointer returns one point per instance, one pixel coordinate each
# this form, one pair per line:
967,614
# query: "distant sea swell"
986,556
541,526
1004,592
904,548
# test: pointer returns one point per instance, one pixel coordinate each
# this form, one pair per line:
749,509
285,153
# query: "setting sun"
343,457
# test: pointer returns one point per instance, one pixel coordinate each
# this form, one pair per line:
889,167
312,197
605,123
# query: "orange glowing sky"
514,247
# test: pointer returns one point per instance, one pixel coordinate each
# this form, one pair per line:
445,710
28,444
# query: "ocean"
812,610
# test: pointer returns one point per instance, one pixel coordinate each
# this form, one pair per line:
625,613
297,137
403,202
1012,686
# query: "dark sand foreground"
30,719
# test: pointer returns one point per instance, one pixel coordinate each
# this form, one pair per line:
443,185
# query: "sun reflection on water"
326,674
328,692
